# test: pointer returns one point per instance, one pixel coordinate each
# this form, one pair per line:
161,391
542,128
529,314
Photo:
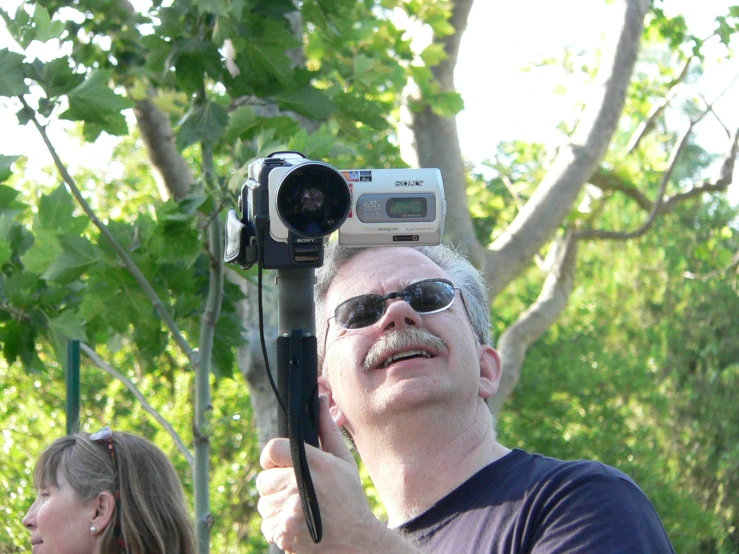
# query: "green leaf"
242,120
5,172
315,146
205,122
724,30
41,255
12,74
447,104
19,237
19,287
217,7
365,70
307,101
439,22
193,59
55,213
5,251
264,55
434,54
78,253
18,341
176,241
94,102
8,195
56,77
68,326
45,28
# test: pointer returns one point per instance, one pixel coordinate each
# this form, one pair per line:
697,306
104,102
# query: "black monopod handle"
297,381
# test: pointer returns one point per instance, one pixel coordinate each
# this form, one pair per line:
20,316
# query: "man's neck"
415,468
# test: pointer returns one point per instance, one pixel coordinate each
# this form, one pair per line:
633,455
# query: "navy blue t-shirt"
527,503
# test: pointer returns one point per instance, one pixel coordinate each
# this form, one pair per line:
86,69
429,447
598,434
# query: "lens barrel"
313,199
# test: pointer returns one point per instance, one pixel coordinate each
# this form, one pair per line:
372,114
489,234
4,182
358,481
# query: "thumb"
332,440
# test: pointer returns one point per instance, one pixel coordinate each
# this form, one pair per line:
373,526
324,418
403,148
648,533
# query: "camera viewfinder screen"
406,207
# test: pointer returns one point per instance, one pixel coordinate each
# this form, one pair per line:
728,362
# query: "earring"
93,529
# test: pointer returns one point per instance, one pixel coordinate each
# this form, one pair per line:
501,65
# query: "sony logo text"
408,183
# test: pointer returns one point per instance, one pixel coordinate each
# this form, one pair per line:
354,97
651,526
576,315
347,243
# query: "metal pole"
73,386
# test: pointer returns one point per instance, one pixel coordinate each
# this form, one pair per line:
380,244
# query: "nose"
29,521
398,313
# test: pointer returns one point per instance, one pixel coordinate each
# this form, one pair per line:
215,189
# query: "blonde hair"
154,518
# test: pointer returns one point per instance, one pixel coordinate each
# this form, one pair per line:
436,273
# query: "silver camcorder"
299,202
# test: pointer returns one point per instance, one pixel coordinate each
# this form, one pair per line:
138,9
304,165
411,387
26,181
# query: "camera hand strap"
298,406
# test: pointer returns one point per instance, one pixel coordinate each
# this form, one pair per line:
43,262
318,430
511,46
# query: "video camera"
290,205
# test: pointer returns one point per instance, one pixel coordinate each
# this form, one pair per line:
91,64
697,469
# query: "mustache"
402,339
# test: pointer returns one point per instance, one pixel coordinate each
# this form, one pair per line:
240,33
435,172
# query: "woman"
108,493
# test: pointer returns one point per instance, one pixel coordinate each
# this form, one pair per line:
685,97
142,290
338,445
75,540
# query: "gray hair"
462,273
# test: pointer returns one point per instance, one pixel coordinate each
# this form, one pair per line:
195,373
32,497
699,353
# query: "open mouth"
405,355
402,345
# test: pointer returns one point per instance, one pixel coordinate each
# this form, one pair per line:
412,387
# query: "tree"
585,159
201,114
212,85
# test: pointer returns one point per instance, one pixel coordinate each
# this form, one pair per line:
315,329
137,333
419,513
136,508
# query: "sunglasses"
425,297
105,436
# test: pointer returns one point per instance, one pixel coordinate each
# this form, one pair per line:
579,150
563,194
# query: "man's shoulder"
524,500
537,468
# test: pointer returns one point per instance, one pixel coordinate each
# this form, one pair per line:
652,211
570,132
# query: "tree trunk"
437,145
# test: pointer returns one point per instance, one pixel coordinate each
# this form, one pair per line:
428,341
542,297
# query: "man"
407,366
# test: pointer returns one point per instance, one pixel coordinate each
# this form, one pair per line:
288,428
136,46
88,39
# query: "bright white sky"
501,102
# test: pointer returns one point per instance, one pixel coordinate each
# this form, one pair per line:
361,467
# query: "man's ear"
324,387
490,371
103,510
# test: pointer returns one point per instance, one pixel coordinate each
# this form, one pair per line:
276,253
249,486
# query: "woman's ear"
103,506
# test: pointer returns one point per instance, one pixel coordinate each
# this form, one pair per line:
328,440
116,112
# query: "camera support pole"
297,380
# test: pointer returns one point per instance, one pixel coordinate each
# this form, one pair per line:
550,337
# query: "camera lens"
313,199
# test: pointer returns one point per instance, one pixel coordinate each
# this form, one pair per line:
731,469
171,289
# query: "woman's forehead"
50,475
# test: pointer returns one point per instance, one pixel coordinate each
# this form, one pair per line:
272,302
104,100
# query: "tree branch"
436,142
658,108
714,114
721,184
534,322
616,235
711,274
122,254
179,443
608,181
250,356
159,138
662,205
511,253
444,71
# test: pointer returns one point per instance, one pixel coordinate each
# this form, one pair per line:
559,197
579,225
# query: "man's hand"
348,522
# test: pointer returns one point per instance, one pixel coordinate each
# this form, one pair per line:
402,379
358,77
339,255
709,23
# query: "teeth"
406,354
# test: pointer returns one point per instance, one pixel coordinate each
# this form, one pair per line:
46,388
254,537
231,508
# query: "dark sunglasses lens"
359,312
429,296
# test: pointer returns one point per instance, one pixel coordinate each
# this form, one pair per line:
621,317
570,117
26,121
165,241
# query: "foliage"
32,412
639,373
639,370
625,376
233,82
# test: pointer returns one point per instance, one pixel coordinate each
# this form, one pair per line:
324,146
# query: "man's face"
447,375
